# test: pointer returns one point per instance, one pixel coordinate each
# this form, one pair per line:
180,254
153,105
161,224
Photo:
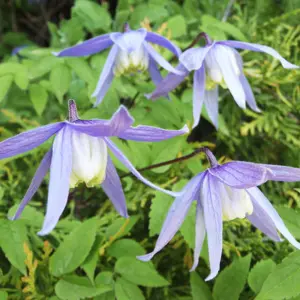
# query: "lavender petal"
176,215
28,140
113,188
259,48
60,171
155,38
35,183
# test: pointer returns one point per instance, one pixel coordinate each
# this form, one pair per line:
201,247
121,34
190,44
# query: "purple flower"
218,63
226,192
80,154
130,52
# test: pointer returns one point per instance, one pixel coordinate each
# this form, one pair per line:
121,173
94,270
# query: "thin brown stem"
212,160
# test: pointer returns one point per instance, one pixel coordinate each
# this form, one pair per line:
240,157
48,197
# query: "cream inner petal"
236,203
89,160
213,71
135,61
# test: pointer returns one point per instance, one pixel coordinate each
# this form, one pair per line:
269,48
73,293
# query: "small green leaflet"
125,247
126,290
73,251
140,273
13,235
199,288
283,282
259,274
231,281
75,288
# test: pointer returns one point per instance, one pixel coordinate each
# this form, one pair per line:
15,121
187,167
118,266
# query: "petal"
239,174
151,134
160,60
211,101
176,215
113,188
155,74
265,204
198,94
259,48
250,99
281,173
200,235
124,160
60,171
261,220
91,46
162,41
28,140
131,40
120,121
224,57
169,83
35,183
106,76
210,199
193,58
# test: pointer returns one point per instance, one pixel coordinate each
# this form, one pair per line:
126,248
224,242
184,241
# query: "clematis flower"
131,52
218,63
223,193
80,154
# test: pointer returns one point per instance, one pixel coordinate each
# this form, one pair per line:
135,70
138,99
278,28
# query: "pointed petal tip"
148,96
193,268
145,257
185,129
43,232
55,53
211,276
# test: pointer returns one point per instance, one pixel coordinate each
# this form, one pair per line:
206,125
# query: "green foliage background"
91,253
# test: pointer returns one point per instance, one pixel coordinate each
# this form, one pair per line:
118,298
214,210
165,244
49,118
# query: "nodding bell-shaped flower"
80,154
131,52
218,63
223,193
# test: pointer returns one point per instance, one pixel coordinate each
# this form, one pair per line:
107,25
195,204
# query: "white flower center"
135,61
236,203
89,160
214,72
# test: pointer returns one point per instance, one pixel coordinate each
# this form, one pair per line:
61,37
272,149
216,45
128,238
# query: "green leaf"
259,274
60,79
90,262
75,288
125,247
73,251
231,281
30,215
92,15
3,295
5,84
153,12
22,79
127,291
199,288
164,151
38,97
138,272
160,205
13,235
177,25
282,283
117,225
291,219
43,66
81,68
105,278
11,68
